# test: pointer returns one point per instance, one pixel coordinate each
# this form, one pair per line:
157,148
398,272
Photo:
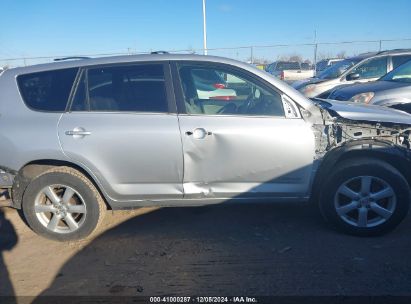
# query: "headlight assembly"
363,97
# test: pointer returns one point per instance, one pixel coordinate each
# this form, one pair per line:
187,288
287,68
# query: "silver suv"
81,136
359,69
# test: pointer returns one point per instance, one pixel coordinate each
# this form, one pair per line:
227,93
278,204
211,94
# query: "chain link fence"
258,54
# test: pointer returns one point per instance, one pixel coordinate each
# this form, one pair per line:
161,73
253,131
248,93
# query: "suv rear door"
122,126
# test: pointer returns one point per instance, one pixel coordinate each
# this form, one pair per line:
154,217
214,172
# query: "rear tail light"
282,75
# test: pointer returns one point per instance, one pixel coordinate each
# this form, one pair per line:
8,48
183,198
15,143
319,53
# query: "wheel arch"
34,168
396,156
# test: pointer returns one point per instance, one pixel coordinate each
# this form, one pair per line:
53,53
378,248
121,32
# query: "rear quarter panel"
25,135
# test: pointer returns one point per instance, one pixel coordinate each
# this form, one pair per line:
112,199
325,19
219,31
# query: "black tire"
353,169
90,197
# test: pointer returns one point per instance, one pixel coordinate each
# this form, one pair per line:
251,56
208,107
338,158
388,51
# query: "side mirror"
352,76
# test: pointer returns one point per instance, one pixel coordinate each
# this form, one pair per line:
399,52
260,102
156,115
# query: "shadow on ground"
237,250
8,239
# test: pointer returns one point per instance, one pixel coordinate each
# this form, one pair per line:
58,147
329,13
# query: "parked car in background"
290,71
363,68
260,66
210,85
326,63
329,73
305,66
81,136
393,90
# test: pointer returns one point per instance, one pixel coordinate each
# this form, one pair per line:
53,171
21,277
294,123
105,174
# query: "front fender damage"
334,131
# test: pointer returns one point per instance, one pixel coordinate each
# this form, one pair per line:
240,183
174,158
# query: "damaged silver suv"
80,136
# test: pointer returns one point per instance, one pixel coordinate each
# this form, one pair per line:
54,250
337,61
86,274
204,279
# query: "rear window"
305,66
47,91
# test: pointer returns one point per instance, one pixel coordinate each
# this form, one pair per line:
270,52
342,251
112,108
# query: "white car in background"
290,71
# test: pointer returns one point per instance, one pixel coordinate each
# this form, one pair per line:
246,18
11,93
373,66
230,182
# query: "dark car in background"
326,63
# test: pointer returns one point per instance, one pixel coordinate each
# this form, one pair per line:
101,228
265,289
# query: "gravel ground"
252,250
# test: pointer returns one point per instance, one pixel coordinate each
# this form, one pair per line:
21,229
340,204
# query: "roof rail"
393,51
160,52
367,54
71,58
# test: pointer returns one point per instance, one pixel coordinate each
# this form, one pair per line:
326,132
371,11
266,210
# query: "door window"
373,68
218,91
137,88
399,60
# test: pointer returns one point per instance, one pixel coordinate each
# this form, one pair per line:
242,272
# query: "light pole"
204,28
315,52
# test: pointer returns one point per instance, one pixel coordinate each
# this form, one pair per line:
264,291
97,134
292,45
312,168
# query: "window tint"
401,74
229,94
399,60
47,91
305,66
137,88
373,68
284,65
321,65
337,69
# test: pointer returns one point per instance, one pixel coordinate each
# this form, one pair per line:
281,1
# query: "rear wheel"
365,197
62,204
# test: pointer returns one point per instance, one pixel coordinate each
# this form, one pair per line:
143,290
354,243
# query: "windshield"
283,65
400,74
305,66
338,68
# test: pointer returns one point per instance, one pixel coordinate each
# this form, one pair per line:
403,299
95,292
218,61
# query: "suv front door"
237,141
123,127
369,70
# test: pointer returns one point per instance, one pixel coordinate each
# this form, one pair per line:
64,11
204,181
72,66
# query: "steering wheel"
229,108
247,105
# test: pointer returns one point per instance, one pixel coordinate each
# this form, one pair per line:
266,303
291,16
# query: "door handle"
78,132
198,133
82,133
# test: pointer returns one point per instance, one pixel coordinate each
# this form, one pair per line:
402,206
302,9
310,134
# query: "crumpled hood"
364,112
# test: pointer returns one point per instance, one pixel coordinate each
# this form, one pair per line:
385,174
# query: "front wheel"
62,204
365,197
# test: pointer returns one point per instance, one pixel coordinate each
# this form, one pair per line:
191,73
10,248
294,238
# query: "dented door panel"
246,156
